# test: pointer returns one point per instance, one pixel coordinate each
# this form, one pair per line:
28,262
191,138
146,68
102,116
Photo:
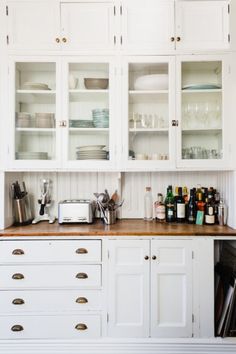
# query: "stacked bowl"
101,118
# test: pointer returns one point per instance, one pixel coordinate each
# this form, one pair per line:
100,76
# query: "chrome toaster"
75,211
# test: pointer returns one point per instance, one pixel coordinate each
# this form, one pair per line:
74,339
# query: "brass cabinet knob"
18,252
18,302
82,276
64,40
17,328
81,300
18,276
57,40
81,251
81,327
172,39
154,257
146,258
178,39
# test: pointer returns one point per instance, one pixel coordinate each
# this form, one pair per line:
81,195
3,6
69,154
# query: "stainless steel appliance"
75,211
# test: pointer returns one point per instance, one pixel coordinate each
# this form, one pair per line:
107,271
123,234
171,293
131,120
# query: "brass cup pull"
64,40
81,251
81,300
146,258
18,252
178,39
18,302
17,328
57,40
18,276
172,39
154,257
81,327
82,276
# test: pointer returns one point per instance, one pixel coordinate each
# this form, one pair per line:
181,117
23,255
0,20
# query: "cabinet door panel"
171,294
202,25
148,28
128,288
33,25
87,26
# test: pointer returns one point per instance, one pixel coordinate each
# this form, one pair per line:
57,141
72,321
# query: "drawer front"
49,276
22,301
19,251
42,327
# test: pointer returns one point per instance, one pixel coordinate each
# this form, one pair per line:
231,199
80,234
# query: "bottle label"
160,212
181,211
210,210
210,219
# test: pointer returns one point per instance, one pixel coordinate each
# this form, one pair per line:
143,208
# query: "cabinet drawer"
43,327
19,251
18,302
48,276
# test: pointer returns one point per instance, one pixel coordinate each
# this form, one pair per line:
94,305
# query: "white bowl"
152,82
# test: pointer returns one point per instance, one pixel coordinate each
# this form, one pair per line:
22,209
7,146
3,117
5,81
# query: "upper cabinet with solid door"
56,25
129,26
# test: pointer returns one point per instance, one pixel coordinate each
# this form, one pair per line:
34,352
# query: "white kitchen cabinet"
57,25
176,112
166,26
140,270
56,119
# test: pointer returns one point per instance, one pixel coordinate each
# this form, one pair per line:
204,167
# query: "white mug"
73,82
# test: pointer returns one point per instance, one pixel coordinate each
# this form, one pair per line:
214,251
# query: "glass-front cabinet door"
88,114
148,112
201,86
34,114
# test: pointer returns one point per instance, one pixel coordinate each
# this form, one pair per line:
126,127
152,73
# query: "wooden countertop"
129,227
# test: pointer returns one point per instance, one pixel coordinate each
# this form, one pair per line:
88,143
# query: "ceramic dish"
90,147
35,86
96,83
151,82
201,87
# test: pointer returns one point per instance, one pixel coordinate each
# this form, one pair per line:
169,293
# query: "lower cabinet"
150,288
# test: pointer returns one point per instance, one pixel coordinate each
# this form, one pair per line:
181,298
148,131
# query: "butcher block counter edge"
124,227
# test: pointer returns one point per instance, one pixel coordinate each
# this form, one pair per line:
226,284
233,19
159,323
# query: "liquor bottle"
200,202
216,208
191,208
175,201
169,204
160,210
185,194
180,206
209,209
148,205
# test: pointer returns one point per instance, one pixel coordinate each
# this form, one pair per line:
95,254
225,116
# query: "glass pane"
148,111
35,102
88,111
202,110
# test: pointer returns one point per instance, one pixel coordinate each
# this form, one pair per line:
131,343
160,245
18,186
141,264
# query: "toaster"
75,211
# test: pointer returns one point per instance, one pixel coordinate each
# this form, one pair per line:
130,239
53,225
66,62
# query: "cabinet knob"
154,257
81,327
178,39
57,40
172,39
82,276
81,300
18,276
17,328
64,40
146,258
18,302
18,252
81,251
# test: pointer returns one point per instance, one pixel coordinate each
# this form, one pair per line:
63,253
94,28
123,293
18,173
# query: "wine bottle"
170,205
180,206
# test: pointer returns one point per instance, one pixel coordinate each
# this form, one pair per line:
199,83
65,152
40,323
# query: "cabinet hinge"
108,317
7,39
192,318
7,10
114,9
228,8
228,37
114,38
121,10
121,40
108,254
175,123
192,255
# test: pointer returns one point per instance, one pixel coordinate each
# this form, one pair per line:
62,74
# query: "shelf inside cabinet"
148,92
205,131
202,91
148,130
89,130
36,130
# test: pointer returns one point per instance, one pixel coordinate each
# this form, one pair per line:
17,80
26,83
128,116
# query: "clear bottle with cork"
160,209
148,205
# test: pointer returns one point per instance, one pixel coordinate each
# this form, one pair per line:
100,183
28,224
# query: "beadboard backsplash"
130,186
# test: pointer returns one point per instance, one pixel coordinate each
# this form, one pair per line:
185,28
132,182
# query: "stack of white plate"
91,152
31,155
35,86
